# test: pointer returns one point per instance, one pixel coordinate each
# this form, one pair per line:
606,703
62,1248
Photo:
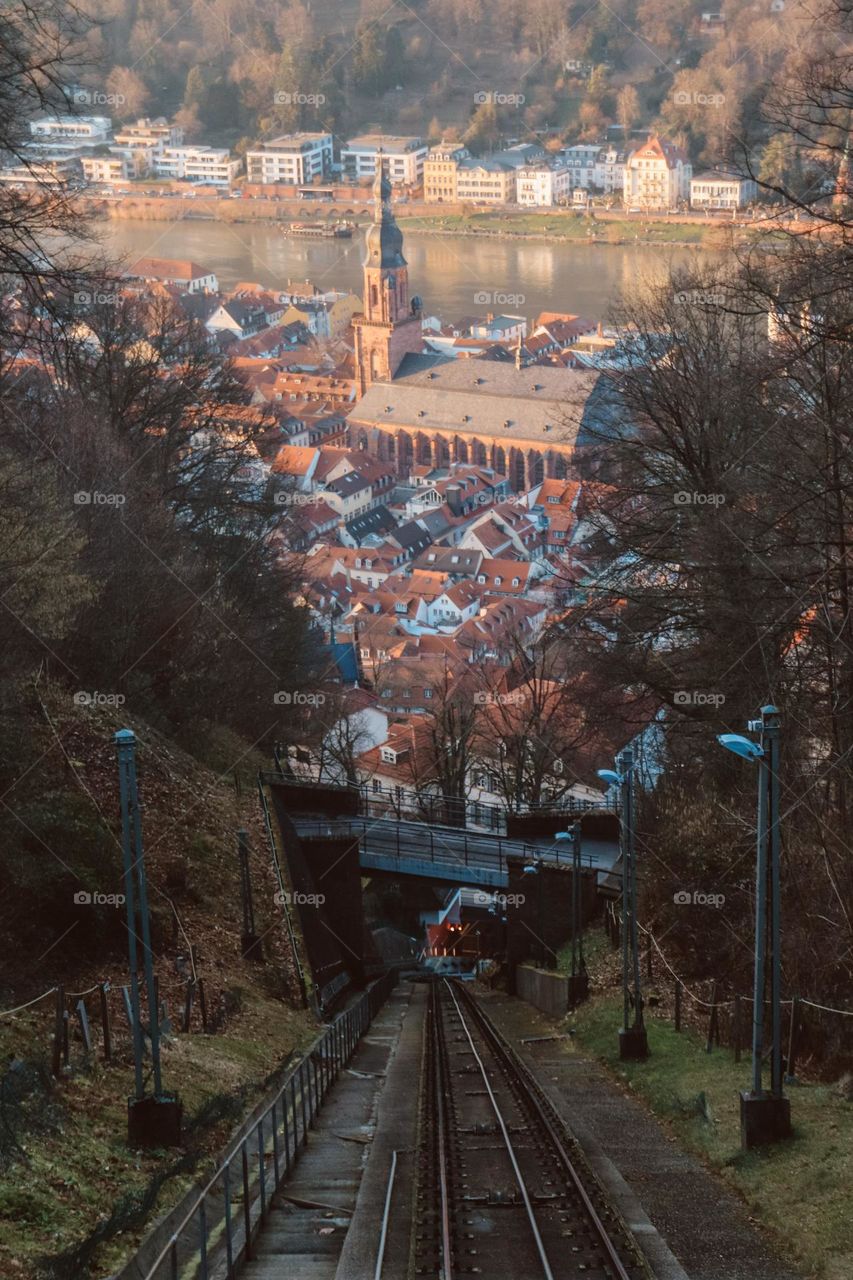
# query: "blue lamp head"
563,835
741,746
529,870
610,776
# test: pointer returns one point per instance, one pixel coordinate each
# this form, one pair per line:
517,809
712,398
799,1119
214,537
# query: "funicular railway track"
502,1191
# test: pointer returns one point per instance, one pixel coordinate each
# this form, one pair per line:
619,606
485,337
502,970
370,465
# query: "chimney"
600,329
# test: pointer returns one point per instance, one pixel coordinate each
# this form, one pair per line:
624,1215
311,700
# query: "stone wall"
546,991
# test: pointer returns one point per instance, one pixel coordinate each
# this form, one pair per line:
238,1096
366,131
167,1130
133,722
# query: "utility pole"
765,1117
579,980
633,1039
153,1120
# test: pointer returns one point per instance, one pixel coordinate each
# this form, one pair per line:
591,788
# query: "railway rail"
502,1190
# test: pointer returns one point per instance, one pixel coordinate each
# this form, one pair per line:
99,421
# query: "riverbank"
561,226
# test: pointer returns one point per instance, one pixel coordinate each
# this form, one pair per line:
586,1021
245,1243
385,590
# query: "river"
456,276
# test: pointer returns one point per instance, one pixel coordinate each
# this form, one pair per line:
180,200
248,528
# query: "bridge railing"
441,846
217,1233
427,807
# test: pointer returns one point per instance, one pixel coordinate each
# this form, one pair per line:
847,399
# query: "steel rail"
533,1094
519,1177
437,1039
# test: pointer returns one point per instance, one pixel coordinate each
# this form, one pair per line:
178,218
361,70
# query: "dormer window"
388,755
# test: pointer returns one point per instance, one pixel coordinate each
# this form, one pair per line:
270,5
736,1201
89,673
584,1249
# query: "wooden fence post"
678,1004
737,1029
202,1004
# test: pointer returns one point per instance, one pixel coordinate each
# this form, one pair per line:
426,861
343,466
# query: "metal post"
770,718
576,881
622,763
760,931
635,931
125,741
144,919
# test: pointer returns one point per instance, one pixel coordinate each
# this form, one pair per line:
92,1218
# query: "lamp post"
579,978
633,1038
765,1117
153,1120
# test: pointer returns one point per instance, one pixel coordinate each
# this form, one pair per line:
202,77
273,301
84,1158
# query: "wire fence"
728,1018
101,1018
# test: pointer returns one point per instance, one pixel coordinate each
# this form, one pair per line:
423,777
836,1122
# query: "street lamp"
633,1039
579,979
765,1117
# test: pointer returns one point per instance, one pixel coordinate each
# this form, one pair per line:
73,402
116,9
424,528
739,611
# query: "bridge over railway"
447,853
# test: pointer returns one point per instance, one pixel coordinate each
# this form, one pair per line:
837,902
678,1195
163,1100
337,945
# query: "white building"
74,131
184,273
108,169
57,147
294,159
403,158
718,190
657,176
158,133
542,185
211,165
608,172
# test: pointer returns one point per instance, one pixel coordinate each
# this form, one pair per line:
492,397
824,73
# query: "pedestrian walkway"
310,1216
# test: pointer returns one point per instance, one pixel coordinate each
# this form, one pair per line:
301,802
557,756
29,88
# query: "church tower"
390,325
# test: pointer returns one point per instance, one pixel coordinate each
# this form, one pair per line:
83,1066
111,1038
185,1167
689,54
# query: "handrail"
287,1119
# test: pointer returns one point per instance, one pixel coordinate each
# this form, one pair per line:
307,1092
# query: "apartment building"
657,176
542,185
441,166
608,172
720,190
212,165
580,162
485,182
402,158
56,148
294,159
158,133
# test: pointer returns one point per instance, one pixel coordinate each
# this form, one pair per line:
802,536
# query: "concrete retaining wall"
547,991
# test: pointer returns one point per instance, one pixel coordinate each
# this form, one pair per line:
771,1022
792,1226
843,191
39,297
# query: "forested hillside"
486,70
